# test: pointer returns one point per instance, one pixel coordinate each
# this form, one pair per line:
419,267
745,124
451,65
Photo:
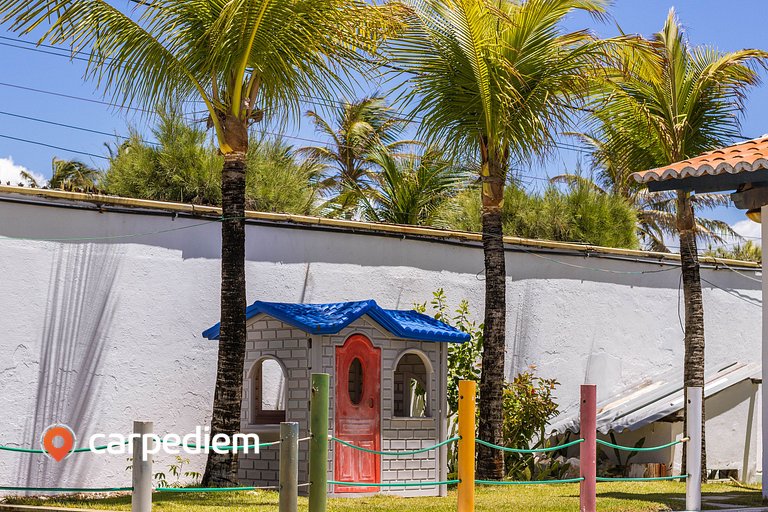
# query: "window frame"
257,415
408,375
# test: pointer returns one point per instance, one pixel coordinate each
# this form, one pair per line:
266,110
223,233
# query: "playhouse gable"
333,317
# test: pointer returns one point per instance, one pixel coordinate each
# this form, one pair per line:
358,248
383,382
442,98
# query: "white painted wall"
99,334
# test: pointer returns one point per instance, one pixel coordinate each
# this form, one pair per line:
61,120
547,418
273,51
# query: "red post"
588,449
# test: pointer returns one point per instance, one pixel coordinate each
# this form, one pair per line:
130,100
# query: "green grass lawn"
613,497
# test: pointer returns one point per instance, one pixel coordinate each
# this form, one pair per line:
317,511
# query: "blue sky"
723,25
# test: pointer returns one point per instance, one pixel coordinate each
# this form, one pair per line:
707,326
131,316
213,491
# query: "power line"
73,127
72,97
322,102
61,148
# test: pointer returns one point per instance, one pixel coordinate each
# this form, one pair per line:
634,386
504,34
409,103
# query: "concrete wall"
98,333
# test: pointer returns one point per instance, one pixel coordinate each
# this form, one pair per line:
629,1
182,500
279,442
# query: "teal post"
318,443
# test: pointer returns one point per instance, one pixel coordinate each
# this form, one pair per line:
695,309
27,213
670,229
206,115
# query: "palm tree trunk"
491,462
693,371
221,469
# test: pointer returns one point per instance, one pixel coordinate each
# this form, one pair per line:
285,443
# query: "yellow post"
466,463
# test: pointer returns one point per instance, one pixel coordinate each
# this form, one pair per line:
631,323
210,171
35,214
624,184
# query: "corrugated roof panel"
653,400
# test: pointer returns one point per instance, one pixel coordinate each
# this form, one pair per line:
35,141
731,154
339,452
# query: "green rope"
397,453
228,447
76,450
533,450
67,489
206,489
528,482
393,484
649,479
632,449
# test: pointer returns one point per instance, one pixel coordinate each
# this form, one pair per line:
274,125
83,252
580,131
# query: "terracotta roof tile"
748,156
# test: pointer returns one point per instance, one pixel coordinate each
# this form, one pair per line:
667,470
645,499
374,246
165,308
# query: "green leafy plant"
622,464
176,470
463,358
529,404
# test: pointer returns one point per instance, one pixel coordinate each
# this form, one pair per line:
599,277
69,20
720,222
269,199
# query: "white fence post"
289,467
693,450
141,474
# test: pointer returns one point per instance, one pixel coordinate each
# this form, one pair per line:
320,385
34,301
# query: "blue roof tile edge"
333,317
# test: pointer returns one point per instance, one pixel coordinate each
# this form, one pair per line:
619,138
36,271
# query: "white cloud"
11,172
748,229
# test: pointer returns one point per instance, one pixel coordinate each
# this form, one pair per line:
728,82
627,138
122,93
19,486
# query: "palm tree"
493,81
411,188
74,176
748,251
242,60
356,130
656,218
664,102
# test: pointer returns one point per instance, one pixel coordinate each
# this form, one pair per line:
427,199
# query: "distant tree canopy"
748,251
184,166
277,181
576,213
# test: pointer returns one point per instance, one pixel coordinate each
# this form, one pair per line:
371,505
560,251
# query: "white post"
289,467
693,450
764,401
141,477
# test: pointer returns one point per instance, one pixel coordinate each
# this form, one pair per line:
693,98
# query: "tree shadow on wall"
80,306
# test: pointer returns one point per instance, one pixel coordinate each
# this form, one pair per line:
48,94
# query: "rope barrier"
67,489
394,484
648,449
213,489
529,482
396,453
106,446
226,447
76,450
638,479
532,450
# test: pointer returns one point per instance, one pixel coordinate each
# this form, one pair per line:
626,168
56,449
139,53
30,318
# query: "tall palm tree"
493,80
74,176
243,60
358,128
666,101
411,188
656,218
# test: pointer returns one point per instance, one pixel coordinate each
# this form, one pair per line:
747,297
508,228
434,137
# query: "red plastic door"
358,413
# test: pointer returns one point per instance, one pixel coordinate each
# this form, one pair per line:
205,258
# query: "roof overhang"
710,183
333,317
742,168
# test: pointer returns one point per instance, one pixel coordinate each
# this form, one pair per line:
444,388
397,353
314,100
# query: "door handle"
370,402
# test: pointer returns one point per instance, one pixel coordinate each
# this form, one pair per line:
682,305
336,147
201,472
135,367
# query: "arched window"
411,387
268,385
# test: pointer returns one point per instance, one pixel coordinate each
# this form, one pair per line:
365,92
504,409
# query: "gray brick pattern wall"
291,346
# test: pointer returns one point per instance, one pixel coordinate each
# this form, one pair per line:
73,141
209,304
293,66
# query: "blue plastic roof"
332,318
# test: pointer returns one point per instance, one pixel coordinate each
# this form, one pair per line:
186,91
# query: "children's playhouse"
388,373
